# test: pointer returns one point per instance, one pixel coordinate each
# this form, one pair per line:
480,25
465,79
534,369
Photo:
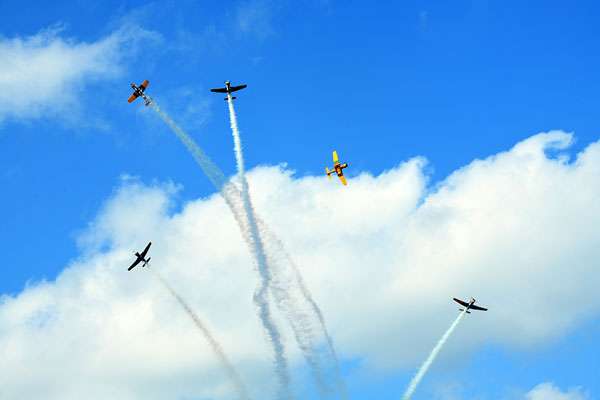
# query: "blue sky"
451,82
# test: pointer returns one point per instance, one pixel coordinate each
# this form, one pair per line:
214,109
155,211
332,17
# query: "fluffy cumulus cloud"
45,74
383,257
547,391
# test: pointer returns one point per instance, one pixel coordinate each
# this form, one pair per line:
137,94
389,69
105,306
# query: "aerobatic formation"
278,275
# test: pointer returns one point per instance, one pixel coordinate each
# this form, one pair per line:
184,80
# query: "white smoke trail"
300,320
305,317
213,172
259,248
425,367
251,229
278,278
316,311
231,196
231,372
237,141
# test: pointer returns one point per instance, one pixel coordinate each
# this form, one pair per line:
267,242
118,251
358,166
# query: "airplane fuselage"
136,89
143,260
339,167
467,308
139,91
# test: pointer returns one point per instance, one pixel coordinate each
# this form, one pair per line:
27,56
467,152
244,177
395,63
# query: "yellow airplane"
337,168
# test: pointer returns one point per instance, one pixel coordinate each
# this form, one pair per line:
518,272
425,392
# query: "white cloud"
382,257
46,74
547,391
543,391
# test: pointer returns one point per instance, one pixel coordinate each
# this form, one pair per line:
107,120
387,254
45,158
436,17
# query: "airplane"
337,168
141,257
138,91
229,89
469,306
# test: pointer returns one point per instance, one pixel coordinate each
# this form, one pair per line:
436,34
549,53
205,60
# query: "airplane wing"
335,157
219,90
236,88
136,262
146,250
474,307
462,303
144,84
343,179
132,98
